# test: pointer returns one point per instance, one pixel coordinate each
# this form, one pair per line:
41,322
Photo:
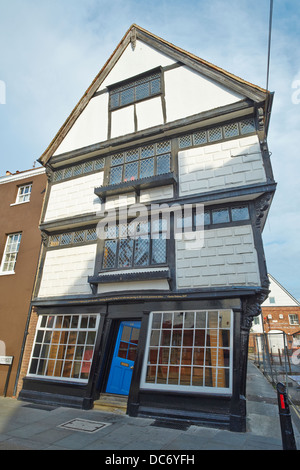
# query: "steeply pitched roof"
254,92
293,300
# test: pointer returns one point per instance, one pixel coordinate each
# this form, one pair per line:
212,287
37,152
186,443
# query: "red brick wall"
28,349
276,323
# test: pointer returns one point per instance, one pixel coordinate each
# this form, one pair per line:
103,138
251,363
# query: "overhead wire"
269,42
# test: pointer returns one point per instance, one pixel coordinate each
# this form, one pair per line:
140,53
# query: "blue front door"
123,359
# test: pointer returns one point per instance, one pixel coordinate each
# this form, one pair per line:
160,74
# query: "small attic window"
135,90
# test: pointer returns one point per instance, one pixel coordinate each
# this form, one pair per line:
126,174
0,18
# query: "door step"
111,403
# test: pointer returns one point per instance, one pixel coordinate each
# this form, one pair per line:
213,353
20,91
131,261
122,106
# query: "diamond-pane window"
135,91
159,251
247,126
58,175
163,164
116,173
239,213
132,155
215,134
77,170
163,147
109,257
79,236
220,216
142,91
127,96
231,130
185,141
147,151
200,138
99,164
67,173
147,168
66,238
117,159
114,100
131,171
91,234
130,245
155,86
88,167
141,253
54,240
125,253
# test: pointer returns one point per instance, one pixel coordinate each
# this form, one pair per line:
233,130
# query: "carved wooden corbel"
261,205
45,238
49,173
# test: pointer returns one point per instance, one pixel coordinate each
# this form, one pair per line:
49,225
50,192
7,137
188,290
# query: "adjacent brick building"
21,196
280,313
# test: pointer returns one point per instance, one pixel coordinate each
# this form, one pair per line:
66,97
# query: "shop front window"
189,350
64,347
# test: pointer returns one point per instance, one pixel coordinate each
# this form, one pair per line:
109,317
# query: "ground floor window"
189,351
64,346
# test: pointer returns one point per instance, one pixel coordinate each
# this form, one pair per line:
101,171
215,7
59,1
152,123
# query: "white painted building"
149,317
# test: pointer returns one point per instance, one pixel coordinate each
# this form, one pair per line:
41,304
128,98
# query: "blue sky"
50,51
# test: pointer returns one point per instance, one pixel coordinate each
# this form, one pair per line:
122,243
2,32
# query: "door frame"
115,348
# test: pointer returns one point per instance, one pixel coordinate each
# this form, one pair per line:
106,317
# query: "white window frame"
24,197
187,388
51,329
6,253
293,319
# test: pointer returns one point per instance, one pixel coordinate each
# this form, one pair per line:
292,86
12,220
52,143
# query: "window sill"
19,203
135,185
131,275
7,273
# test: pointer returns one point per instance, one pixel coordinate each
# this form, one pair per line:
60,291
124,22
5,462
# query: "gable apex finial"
133,37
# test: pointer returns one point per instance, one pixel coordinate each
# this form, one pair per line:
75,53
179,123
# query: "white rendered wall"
188,93
135,61
66,271
90,127
221,166
228,258
133,286
74,197
149,113
122,121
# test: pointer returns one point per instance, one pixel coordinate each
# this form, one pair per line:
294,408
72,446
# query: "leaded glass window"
135,245
139,163
135,90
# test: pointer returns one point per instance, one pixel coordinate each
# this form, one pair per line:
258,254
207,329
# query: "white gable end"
90,127
135,61
278,296
188,93
184,92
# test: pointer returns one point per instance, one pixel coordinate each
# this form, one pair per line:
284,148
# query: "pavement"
24,426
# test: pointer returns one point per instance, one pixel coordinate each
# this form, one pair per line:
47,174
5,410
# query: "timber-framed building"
146,317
